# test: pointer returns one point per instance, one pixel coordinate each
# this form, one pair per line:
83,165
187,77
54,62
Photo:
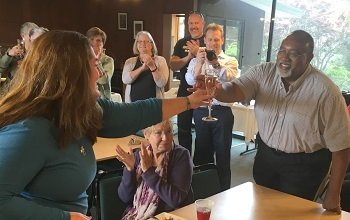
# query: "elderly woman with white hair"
156,178
146,74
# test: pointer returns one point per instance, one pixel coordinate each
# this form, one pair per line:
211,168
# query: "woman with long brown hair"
50,118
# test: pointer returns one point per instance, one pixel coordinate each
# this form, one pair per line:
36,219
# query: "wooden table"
104,148
253,202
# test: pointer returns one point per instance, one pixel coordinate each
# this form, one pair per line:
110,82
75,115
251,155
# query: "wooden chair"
205,181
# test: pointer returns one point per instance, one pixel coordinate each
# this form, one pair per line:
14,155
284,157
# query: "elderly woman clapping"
146,74
156,178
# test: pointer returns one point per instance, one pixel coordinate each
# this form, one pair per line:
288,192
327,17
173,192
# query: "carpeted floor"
241,166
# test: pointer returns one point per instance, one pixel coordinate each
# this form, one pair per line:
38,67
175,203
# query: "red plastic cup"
203,207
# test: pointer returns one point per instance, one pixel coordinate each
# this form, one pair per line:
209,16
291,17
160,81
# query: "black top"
179,51
144,86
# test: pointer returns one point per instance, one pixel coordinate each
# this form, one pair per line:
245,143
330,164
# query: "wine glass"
211,76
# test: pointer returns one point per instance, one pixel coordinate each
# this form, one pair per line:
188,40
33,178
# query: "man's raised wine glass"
211,76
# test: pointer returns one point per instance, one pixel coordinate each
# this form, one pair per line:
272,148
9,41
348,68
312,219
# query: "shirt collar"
222,55
295,85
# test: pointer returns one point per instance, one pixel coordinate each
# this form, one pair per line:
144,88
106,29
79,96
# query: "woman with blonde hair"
146,74
158,177
50,119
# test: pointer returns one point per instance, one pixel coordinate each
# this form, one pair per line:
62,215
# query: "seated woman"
146,74
156,178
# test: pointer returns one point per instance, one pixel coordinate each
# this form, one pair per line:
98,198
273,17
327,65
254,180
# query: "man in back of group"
302,121
184,50
214,137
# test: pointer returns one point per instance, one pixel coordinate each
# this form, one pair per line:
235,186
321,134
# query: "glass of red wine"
203,207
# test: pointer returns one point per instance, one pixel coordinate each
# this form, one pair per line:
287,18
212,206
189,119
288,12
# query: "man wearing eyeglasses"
184,50
302,120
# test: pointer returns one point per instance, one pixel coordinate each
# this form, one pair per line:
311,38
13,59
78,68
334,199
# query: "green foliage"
330,32
339,75
232,49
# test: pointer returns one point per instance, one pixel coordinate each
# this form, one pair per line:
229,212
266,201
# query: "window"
233,35
248,26
328,22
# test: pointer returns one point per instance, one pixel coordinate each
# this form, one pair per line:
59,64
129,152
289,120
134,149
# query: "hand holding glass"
211,76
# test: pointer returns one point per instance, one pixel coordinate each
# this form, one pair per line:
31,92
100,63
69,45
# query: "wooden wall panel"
79,15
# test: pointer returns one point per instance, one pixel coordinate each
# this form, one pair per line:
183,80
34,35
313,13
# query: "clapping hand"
192,46
201,55
98,49
146,156
127,158
148,61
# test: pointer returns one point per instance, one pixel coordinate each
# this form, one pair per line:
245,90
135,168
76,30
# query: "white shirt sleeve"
190,72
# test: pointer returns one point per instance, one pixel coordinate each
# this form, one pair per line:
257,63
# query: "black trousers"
184,125
184,119
299,174
214,138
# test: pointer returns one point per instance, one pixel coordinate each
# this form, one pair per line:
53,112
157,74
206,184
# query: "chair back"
205,181
108,204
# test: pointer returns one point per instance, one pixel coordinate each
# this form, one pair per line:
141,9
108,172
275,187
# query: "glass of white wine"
211,76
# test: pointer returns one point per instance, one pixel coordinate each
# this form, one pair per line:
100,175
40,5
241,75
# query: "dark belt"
279,152
274,150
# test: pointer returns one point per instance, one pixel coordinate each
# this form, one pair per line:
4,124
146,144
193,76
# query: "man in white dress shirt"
214,137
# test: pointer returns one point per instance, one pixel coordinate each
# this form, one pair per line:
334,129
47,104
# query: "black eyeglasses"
196,13
292,54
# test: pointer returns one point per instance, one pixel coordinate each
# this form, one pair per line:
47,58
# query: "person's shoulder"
268,67
183,40
31,123
32,129
263,68
228,57
131,59
105,57
160,58
323,81
180,150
